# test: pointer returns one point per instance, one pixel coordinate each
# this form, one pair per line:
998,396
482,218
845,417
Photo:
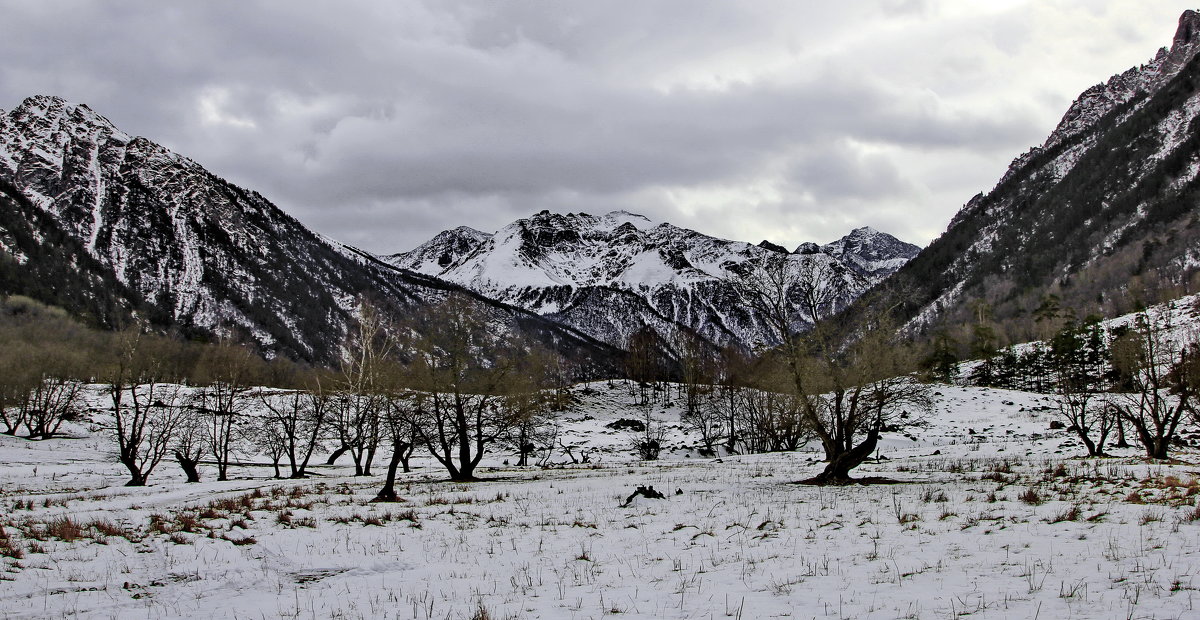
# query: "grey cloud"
841,172
381,123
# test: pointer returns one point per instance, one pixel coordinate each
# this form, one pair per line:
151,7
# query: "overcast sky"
382,123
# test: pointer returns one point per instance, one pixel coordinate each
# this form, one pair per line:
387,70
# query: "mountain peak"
863,231
1116,171
607,275
467,231
1097,101
767,245
871,251
441,252
58,111
1189,27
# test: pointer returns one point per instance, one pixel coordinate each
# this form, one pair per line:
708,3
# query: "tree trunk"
136,478
301,471
333,456
1158,449
1155,448
837,471
190,466
388,492
1121,441
370,458
526,449
404,458
1091,445
465,472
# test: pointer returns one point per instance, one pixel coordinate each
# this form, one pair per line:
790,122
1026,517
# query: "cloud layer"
382,123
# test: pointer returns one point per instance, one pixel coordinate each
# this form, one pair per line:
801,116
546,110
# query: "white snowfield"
993,516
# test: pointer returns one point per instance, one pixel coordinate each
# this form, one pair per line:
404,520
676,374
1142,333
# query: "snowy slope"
993,516
203,255
1108,196
612,274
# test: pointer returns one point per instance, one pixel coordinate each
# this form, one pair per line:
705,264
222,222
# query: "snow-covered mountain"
610,275
871,253
1102,214
185,249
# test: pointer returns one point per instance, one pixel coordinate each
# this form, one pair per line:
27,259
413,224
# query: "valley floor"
993,516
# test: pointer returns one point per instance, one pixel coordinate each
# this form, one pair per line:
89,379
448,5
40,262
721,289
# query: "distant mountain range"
612,274
117,228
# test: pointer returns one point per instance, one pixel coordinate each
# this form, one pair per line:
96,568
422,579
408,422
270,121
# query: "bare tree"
1076,360
708,420
534,398
649,443
772,422
697,365
190,442
848,392
146,411
1161,372
361,390
299,418
465,370
645,362
268,437
52,401
17,379
226,372
38,387
399,422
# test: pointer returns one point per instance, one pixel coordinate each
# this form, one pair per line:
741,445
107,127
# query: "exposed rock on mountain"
1103,214
871,253
613,274
183,248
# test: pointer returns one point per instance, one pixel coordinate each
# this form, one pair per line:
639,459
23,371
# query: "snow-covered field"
993,516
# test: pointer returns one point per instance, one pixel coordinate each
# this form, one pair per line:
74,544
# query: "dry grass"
1030,496
67,529
9,547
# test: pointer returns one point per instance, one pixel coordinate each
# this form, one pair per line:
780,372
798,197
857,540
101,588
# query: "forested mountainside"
43,261
614,274
1100,219
116,226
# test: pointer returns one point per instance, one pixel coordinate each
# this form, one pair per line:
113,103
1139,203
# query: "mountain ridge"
201,254
660,275
1099,216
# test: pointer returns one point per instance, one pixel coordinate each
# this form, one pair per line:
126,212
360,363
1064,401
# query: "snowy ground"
995,517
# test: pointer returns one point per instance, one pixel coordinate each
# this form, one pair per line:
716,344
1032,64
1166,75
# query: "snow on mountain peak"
440,252
625,217
1096,102
53,114
871,252
609,275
